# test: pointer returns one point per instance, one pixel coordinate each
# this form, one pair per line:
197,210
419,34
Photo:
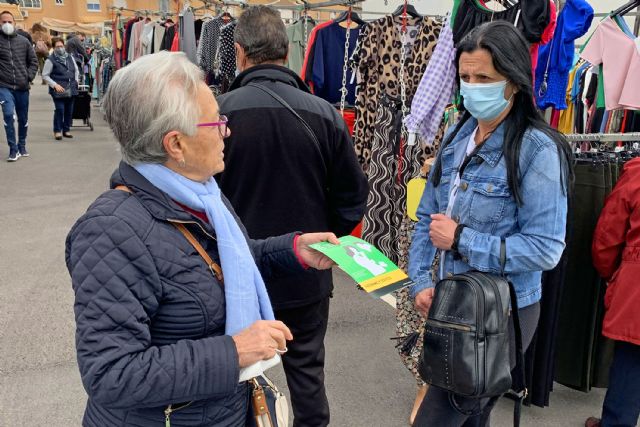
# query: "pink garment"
136,34
619,55
547,36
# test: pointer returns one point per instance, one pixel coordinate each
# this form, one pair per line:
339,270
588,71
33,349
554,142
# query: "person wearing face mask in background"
60,72
18,67
501,173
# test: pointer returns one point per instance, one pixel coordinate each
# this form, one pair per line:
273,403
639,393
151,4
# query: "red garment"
198,214
311,42
547,36
175,45
616,256
555,119
349,117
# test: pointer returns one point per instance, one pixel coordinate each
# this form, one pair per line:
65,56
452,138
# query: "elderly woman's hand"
260,341
310,256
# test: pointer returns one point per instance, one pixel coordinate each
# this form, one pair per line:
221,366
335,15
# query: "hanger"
411,11
626,8
354,18
308,18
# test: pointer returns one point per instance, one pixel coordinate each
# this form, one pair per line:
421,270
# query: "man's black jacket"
18,62
278,180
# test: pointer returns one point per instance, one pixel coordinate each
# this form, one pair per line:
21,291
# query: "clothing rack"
312,6
603,137
143,12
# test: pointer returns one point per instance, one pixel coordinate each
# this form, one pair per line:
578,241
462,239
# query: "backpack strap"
518,390
518,383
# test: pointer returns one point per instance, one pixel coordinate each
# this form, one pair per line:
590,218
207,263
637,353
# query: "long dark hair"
510,53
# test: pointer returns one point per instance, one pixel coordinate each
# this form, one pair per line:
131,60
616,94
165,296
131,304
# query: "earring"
182,163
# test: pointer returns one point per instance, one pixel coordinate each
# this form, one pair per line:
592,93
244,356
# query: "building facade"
29,12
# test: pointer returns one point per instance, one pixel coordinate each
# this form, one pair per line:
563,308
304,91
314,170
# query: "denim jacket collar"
491,150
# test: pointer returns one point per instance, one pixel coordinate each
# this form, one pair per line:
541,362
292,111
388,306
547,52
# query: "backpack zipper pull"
167,415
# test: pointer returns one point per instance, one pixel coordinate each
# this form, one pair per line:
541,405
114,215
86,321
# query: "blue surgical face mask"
485,101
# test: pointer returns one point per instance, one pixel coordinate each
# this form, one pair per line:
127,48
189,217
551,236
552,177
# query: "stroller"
82,101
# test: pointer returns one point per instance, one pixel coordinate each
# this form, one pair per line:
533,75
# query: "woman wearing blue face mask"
61,73
501,173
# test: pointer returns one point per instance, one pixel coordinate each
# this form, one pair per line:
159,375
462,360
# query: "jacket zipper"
13,68
170,410
449,325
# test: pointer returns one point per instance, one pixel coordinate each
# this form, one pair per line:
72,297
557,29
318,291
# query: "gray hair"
261,33
154,95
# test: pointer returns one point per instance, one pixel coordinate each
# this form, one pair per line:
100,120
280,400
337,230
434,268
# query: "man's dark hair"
261,33
81,34
6,12
55,40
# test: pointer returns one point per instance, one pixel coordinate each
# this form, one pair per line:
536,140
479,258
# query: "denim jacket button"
456,218
449,275
464,186
465,260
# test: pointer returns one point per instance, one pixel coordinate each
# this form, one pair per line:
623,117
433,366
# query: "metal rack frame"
603,137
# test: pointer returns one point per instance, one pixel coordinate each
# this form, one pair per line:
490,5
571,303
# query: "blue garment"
15,101
534,232
573,22
63,114
621,406
245,292
150,315
328,63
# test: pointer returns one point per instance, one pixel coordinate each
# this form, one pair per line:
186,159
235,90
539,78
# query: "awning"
71,27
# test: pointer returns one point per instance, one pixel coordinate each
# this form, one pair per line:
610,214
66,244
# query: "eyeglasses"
221,125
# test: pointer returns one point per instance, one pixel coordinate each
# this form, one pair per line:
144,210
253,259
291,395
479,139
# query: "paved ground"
41,197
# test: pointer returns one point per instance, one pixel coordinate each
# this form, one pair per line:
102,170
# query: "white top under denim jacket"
534,232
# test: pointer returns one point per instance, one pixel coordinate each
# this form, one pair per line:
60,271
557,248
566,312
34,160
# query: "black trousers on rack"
304,363
582,358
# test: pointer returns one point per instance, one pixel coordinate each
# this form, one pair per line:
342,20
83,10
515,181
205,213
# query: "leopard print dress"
377,137
379,73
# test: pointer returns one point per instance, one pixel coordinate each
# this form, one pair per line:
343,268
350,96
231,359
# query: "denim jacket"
534,232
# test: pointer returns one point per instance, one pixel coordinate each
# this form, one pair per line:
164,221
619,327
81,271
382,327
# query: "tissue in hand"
258,368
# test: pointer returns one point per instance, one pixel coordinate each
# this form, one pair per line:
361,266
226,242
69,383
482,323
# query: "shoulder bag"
466,338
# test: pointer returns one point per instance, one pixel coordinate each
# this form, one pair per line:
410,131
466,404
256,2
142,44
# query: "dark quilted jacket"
150,316
18,62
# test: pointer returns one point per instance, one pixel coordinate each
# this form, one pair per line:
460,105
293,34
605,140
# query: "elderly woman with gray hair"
161,334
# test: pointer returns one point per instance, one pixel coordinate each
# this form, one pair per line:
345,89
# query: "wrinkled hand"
442,231
58,88
260,341
310,256
424,299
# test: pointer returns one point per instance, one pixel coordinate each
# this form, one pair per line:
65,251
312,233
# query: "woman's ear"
173,146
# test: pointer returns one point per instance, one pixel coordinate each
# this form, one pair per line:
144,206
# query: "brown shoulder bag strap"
213,266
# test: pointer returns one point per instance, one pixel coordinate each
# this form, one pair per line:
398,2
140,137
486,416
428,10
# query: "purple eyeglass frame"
223,122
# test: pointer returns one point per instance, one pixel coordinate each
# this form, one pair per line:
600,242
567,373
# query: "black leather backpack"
466,338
